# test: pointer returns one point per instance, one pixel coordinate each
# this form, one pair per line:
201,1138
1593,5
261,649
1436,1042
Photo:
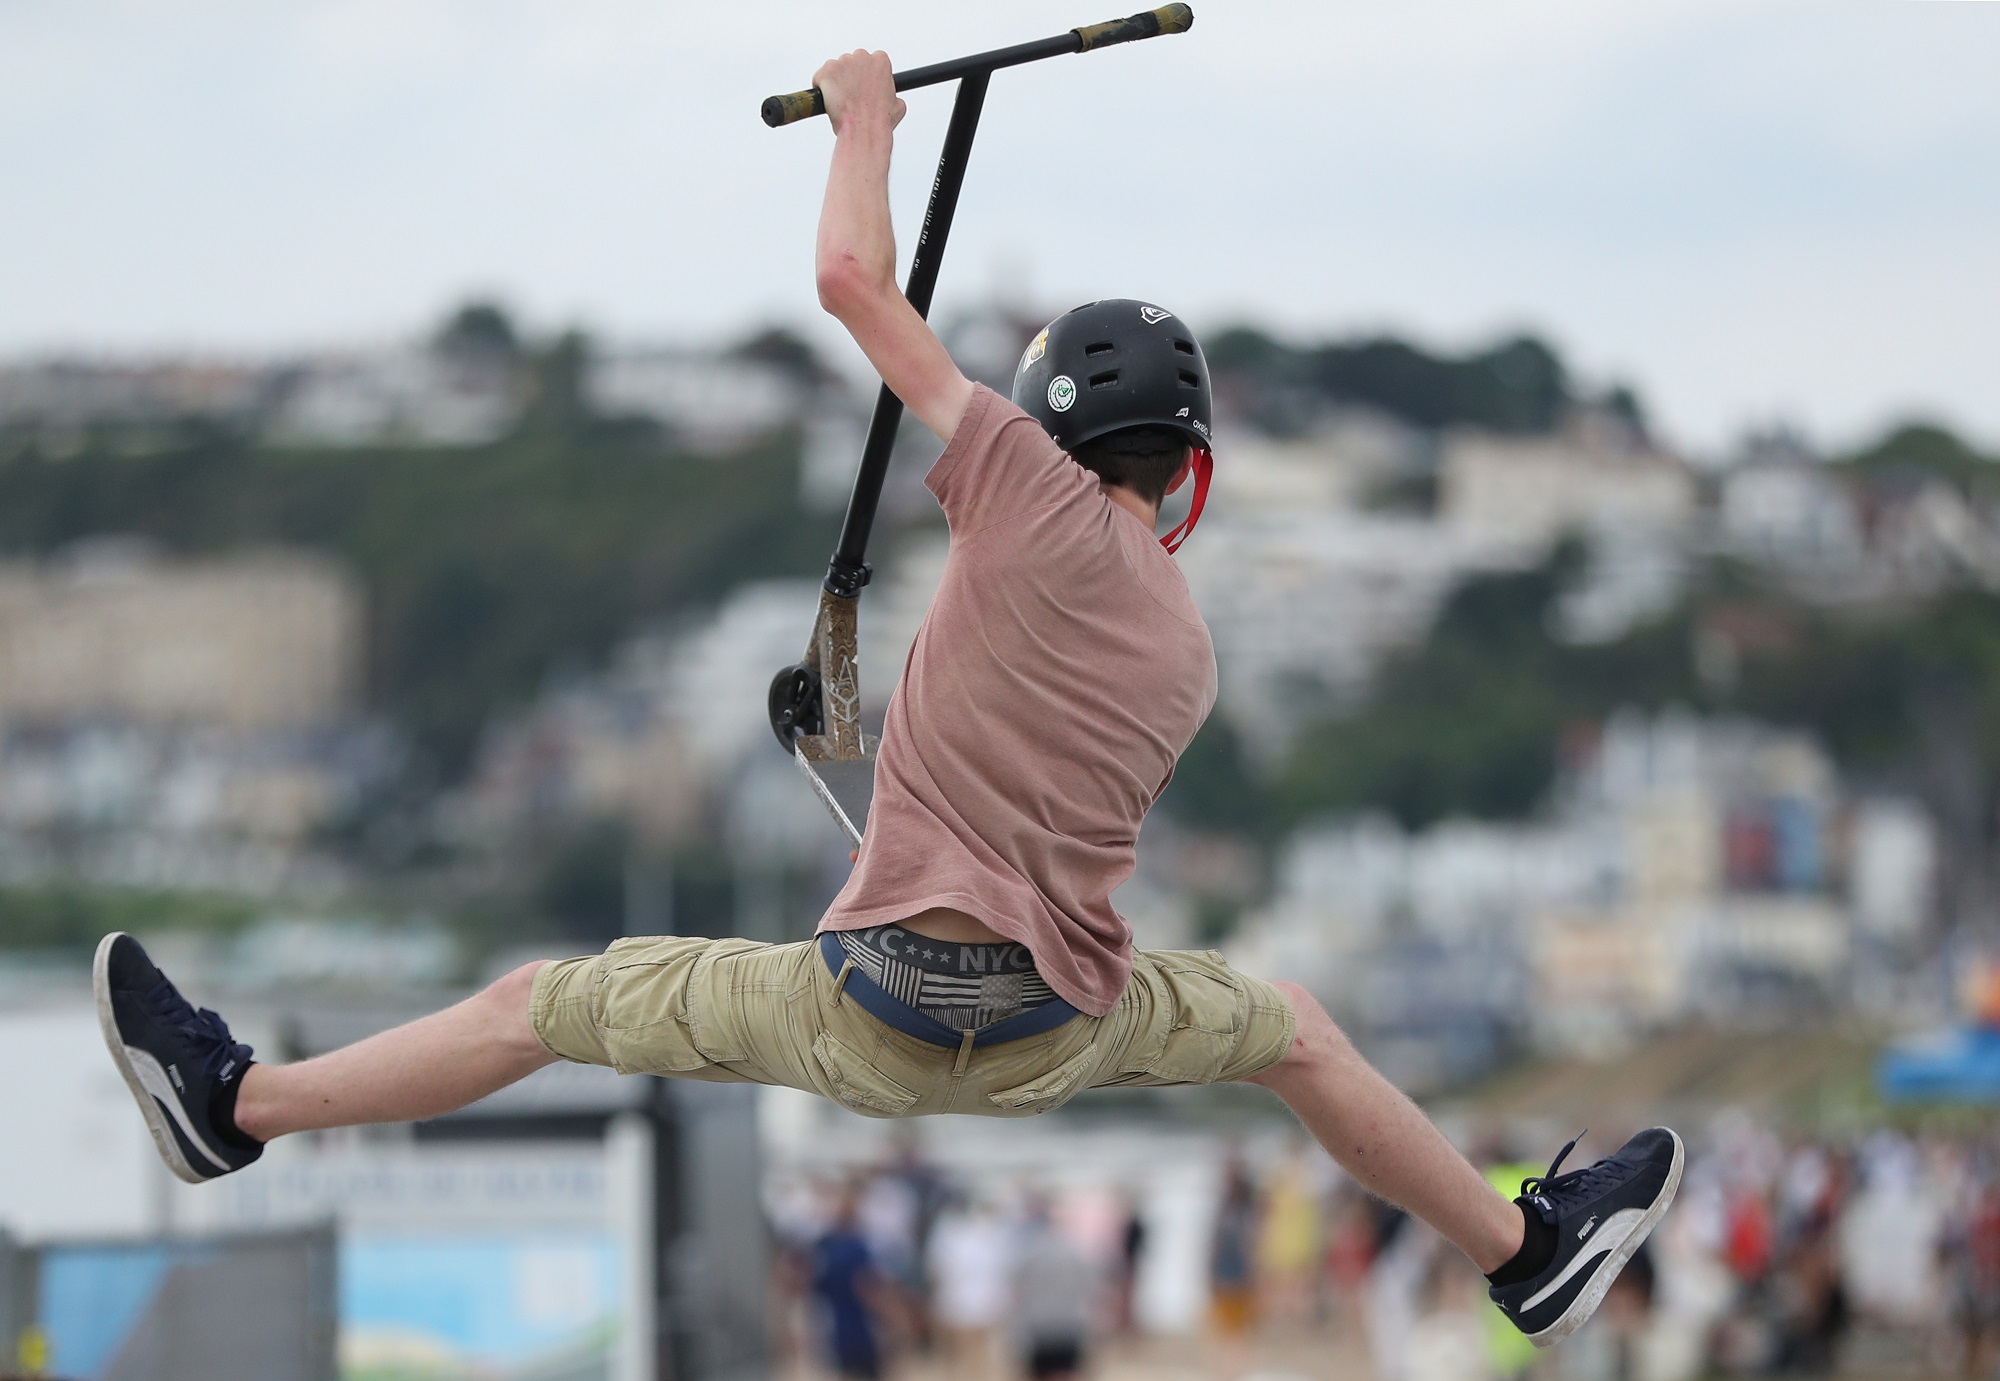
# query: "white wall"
75,1157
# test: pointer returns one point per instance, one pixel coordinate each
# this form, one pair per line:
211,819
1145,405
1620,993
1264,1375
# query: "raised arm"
856,253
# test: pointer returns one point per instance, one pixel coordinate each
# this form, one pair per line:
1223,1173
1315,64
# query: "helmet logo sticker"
1035,348
1182,413
1153,316
1062,393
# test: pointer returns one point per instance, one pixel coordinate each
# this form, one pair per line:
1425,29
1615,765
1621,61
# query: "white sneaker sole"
1585,1304
149,1106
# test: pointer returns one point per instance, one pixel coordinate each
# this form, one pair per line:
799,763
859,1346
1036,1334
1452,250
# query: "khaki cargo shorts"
736,1011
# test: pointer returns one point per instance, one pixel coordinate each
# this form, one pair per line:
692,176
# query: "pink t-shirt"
1060,673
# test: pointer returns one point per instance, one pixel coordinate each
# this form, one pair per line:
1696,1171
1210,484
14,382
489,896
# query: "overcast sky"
1752,211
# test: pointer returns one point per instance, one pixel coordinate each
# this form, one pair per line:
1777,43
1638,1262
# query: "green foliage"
556,397
1888,694
1925,451
479,332
1622,402
787,350
1214,787
583,888
1469,723
1518,385
1472,722
1244,348
1215,920
484,567
65,917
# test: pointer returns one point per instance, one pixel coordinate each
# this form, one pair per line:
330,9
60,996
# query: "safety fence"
259,1305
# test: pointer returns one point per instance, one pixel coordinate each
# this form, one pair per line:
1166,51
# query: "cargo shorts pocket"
737,999
856,1084
642,1004
1192,1020
1051,1090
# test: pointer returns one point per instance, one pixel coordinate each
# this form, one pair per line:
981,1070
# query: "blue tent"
1957,1066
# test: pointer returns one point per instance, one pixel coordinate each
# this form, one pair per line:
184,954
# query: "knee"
504,1003
1316,1039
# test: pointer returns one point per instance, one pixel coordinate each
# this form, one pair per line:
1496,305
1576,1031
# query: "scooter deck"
845,787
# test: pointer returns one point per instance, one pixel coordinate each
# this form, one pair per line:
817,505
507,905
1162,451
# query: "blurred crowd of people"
1799,1257
903,1262
1782,1258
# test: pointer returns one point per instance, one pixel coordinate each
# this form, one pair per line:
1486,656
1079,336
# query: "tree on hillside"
1517,385
1923,450
479,333
787,350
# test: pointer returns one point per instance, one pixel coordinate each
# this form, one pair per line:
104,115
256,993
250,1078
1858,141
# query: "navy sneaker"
1600,1214
181,1064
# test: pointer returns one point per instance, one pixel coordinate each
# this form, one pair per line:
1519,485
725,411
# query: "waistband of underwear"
940,956
894,994
960,985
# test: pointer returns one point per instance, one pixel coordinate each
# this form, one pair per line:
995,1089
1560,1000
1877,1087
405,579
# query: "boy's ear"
1180,475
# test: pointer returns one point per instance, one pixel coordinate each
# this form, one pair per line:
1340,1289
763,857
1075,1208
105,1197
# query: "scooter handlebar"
1168,19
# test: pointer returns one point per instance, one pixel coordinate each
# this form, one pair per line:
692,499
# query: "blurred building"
395,397
1596,475
66,395
1689,869
259,642
1321,556
1304,606
1841,537
709,401
469,386
158,718
1930,537
181,789
659,738
1304,586
399,395
1786,506
590,751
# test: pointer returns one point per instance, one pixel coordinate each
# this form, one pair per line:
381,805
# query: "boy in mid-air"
973,962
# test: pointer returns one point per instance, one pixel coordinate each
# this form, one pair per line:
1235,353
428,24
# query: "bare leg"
1384,1140
430,1066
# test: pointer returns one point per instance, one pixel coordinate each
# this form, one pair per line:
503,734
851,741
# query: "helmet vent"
1186,347
1108,379
1102,347
1190,380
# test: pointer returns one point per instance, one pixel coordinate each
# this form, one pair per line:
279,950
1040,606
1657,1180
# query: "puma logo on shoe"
1601,1214
169,1053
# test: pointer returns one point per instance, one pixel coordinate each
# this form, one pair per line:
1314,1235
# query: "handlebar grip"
800,105
1168,19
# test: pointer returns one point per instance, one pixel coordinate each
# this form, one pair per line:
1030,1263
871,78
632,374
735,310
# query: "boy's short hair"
1141,459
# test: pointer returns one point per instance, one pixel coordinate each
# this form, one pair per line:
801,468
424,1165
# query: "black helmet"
1111,365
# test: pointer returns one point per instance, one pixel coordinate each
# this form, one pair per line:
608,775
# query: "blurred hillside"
1473,721
484,566
505,518
468,639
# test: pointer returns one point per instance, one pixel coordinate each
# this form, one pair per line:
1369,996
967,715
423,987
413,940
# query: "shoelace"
200,1027
1576,1184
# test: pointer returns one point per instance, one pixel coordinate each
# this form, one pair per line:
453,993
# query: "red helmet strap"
1203,463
